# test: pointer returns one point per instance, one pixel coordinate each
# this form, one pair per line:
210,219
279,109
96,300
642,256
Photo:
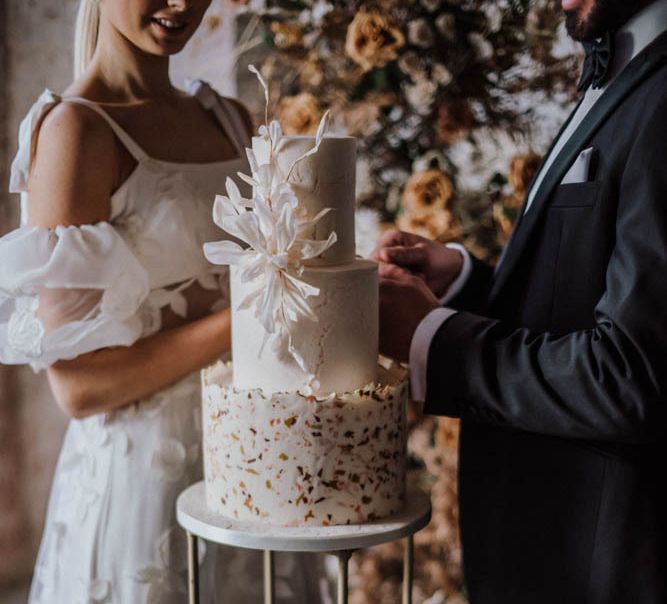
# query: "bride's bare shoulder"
73,169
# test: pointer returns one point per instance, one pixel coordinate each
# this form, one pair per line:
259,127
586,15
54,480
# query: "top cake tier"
326,179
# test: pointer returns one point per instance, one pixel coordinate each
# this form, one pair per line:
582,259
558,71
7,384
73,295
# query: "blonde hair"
85,37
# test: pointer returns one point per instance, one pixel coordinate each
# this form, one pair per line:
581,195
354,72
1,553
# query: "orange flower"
310,72
286,35
436,224
427,191
372,40
361,118
299,114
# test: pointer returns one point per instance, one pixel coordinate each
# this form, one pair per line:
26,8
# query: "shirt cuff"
460,281
419,347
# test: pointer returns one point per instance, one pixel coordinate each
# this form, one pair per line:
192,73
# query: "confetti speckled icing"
292,460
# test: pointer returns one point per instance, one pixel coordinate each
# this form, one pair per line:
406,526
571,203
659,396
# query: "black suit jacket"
557,365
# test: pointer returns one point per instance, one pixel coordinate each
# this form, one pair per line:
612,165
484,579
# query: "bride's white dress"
111,535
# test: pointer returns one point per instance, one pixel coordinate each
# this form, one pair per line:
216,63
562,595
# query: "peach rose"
372,40
361,118
427,191
300,114
310,72
286,35
436,224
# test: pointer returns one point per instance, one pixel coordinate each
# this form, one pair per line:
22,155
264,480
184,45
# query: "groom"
557,360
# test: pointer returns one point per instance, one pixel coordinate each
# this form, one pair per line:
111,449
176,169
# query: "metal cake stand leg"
408,566
343,559
269,582
193,570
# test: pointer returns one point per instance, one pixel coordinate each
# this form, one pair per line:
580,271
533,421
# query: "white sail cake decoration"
276,230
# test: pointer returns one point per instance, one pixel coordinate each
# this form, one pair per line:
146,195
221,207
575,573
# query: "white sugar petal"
248,301
322,128
245,227
248,179
304,288
222,206
283,230
295,302
240,203
261,147
276,133
321,131
305,225
225,252
254,269
311,248
269,303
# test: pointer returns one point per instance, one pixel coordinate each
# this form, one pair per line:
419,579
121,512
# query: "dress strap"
225,112
236,118
18,176
130,144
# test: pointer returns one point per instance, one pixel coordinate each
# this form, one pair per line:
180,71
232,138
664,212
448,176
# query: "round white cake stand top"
196,518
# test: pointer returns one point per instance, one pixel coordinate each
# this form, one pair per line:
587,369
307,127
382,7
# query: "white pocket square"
580,169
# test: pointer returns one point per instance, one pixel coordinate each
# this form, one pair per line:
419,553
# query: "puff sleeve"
67,291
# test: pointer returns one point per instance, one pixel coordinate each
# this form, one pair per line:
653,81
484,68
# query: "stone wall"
36,53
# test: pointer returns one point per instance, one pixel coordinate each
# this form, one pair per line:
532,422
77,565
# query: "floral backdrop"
437,92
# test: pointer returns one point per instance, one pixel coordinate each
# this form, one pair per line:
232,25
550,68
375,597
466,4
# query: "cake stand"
341,541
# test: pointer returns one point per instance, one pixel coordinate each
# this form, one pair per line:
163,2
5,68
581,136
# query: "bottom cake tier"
290,459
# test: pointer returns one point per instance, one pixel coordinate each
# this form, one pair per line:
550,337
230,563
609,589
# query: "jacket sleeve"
608,382
474,292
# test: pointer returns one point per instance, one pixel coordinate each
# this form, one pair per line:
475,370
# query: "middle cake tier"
340,348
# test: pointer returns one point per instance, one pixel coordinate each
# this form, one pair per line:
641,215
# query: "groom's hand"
405,300
437,264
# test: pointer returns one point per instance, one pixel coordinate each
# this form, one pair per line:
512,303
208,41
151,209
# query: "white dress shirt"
629,41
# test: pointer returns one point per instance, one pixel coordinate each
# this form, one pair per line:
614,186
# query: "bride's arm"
72,177
114,377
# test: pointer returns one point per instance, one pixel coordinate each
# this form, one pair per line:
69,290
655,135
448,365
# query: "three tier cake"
305,427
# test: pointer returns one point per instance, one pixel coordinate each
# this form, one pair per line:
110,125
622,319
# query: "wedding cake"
305,427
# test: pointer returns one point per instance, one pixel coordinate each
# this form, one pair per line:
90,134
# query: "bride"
105,286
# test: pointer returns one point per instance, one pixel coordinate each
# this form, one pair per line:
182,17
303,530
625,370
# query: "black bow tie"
598,61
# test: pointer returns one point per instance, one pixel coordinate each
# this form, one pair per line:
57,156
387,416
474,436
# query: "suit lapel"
636,71
522,210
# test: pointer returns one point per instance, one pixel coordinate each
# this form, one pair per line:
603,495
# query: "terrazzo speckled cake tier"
294,459
305,428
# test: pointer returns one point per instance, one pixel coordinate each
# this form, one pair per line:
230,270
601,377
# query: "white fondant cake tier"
291,460
325,180
341,348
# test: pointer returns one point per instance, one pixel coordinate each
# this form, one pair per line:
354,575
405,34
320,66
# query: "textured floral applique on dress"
24,329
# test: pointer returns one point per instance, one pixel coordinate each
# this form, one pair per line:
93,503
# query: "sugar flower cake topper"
275,229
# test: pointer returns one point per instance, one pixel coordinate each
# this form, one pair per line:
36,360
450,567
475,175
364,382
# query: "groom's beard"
606,15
